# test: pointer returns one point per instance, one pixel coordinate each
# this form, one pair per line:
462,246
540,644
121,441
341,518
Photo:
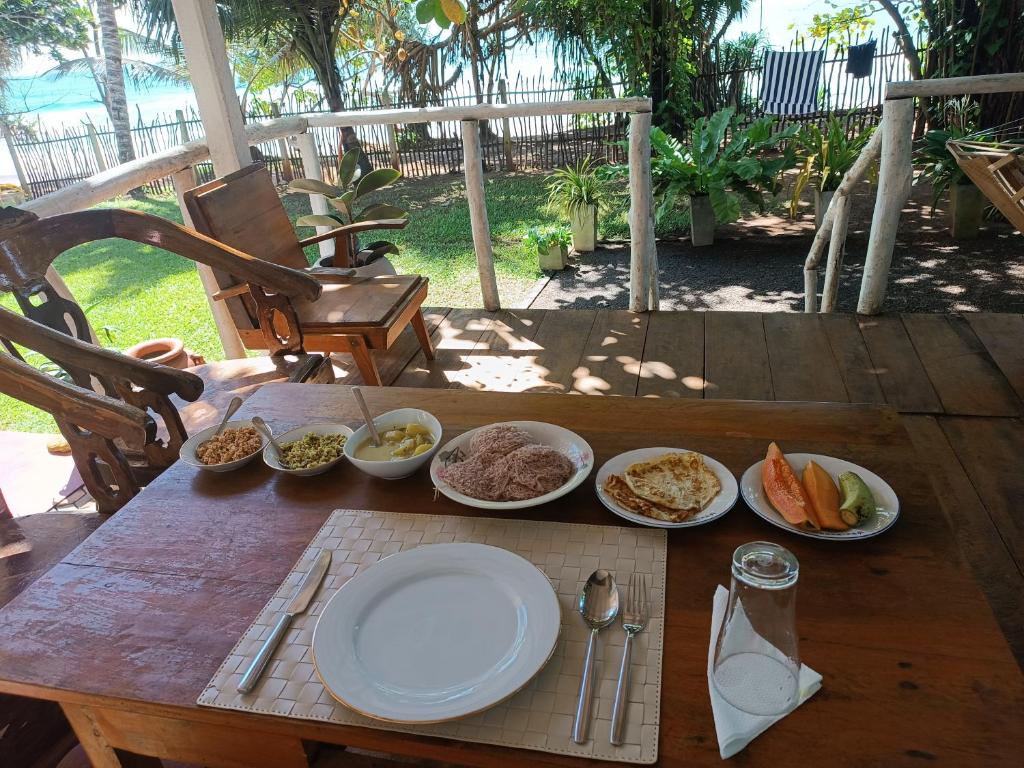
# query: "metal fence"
55,157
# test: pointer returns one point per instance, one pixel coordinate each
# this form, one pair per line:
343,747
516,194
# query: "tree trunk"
115,99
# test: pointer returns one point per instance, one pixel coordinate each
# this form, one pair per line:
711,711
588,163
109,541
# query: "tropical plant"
547,237
748,163
938,166
824,156
573,189
354,186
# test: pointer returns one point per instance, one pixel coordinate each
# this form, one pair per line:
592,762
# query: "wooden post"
183,180
287,172
473,162
506,129
306,143
835,254
97,148
894,180
643,260
392,130
19,169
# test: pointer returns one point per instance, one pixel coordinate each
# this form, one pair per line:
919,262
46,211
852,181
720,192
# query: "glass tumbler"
757,663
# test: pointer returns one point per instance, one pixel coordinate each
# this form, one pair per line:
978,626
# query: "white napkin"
736,728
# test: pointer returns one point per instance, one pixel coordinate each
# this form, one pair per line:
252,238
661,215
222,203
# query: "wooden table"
127,630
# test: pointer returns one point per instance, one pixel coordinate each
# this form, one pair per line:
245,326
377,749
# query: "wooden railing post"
306,143
894,178
19,169
392,130
473,162
836,244
287,173
643,263
97,148
183,180
506,129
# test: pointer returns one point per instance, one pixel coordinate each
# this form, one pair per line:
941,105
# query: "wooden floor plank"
980,543
558,343
990,451
673,364
455,337
736,357
1003,337
610,363
392,362
800,359
852,358
502,360
905,383
966,379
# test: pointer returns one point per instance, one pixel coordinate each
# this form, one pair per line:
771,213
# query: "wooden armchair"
355,314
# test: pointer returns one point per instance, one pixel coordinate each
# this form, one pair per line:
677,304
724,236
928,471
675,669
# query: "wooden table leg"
99,751
364,361
419,325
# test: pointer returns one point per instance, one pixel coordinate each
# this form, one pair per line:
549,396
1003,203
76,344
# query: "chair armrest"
84,408
145,228
65,349
351,229
331,275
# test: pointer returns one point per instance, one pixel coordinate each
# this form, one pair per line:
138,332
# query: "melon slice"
784,490
824,496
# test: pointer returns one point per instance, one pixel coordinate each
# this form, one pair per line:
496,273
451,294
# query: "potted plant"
714,171
824,157
577,193
552,244
353,187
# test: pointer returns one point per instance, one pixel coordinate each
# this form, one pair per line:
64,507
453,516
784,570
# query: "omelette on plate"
671,487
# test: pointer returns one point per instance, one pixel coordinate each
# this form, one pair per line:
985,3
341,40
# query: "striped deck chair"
789,82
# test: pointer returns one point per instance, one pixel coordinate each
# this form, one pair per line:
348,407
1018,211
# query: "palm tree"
115,98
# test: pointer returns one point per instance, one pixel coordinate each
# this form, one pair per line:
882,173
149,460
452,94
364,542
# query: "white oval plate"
436,633
722,503
572,445
888,505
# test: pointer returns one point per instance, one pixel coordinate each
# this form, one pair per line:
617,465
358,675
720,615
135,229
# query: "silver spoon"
598,605
234,405
357,393
263,427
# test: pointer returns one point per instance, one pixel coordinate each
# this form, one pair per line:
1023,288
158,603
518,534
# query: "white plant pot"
554,258
966,211
584,230
822,199
14,197
702,221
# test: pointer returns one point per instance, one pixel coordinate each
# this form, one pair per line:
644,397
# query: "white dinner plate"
561,439
436,633
887,505
722,503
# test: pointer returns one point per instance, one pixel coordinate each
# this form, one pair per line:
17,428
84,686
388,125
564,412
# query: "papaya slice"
784,490
824,496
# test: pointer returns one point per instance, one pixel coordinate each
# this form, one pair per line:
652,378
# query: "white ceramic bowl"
188,448
568,442
393,470
273,460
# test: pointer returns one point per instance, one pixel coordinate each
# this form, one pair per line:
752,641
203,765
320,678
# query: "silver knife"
298,605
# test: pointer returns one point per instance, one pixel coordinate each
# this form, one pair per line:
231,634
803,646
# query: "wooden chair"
355,314
121,416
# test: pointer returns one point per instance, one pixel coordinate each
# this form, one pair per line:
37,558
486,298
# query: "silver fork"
635,615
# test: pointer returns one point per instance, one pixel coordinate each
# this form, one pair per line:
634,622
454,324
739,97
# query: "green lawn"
138,292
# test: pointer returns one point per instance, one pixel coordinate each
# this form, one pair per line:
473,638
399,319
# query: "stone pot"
169,352
702,221
966,210
584,229
822,199
554,258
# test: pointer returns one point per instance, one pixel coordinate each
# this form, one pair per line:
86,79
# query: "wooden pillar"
183,181
97,148
473,161
213,83
306,143
894,178
506,128
392,130
287,172
19,169
835,254
643,259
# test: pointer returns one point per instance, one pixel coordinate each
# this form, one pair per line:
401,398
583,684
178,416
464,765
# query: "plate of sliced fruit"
820,497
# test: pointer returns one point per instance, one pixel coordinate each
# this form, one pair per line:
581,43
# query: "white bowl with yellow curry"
309,450
409,439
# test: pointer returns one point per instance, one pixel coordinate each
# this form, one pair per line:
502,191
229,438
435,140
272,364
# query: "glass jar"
757,662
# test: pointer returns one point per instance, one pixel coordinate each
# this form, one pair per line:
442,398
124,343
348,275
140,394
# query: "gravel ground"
757,265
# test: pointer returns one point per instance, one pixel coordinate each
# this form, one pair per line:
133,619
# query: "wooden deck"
958,380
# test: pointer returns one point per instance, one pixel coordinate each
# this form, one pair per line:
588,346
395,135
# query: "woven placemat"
539,716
